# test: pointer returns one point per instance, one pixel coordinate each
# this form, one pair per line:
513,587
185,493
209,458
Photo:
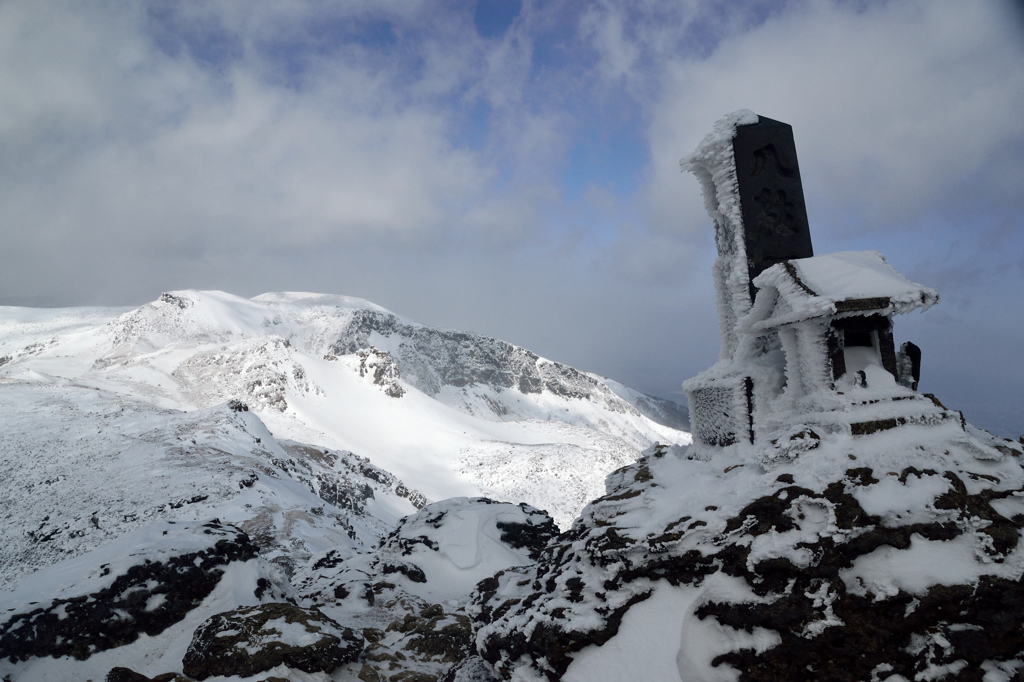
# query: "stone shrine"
807,343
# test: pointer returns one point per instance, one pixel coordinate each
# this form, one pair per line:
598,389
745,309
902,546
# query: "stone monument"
807,343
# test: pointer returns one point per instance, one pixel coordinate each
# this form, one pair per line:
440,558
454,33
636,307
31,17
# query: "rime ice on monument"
807,343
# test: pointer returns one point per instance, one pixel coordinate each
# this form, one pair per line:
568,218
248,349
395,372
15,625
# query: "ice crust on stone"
714,166
813,352
832,278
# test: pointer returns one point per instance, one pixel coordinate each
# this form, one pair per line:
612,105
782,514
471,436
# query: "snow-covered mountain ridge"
463,369
458,413
157,529
278,425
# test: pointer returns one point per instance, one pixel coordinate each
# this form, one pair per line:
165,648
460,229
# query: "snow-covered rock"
256,639
132,603
410,594
894,556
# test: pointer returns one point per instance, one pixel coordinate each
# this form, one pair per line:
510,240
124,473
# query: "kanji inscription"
771,195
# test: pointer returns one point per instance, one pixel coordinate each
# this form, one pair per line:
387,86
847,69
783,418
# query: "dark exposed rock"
120,674
383,368
415,497
556,644
179,301
423,642
973,623
348,483
343,492
472,669
147,598
431,358
529,536
410,571
436,635
252,640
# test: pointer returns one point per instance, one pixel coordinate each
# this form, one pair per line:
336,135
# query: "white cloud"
894,107
384,149
124,146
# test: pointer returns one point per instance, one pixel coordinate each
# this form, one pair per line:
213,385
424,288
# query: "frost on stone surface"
257,639
715,168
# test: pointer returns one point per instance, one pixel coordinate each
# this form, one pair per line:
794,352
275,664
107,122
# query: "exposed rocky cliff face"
431,359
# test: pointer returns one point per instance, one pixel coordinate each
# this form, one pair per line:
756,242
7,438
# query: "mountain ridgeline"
354,496
431,359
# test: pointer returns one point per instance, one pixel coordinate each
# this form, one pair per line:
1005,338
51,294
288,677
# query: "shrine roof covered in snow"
833,284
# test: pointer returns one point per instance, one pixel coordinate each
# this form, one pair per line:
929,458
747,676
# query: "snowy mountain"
215,488
291,433
453,413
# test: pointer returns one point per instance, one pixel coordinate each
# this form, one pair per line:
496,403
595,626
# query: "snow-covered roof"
843,282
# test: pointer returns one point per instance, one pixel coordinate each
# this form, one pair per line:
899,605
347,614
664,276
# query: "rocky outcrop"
381,368
146,598
253,640
342,478
411,593
431,359
949,631
904,564
423,641
468,537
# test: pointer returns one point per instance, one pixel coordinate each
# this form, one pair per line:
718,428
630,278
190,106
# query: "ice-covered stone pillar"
750,179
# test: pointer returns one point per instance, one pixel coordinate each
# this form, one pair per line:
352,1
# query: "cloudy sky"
511,167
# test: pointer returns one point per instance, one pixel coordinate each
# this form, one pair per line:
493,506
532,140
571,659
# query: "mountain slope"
157,528
82,467
458,413
207,465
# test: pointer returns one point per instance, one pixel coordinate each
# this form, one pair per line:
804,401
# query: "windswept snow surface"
84,466
448,413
